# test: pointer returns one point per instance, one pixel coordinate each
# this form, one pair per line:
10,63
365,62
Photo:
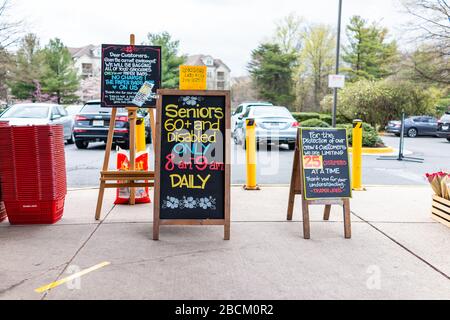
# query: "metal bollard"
251,156
141,143
357,155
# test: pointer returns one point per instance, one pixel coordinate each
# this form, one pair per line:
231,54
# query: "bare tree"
288,33
432,17
431,30
10,31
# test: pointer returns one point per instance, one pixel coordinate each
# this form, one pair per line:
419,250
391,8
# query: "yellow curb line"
375,151
72,277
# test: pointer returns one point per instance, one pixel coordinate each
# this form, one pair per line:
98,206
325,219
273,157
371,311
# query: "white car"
30,114
242,109
273,125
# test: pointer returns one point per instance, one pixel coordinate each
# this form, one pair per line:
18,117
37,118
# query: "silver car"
273,125
242,109
40,114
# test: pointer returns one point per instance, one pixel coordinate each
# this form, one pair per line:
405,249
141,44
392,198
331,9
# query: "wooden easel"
297,187
110,179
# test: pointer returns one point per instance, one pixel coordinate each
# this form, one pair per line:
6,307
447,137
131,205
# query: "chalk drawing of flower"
190,101
172,203
189,203
207,203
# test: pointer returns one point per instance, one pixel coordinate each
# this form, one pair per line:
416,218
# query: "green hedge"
371,139
327,118
315,123
305,116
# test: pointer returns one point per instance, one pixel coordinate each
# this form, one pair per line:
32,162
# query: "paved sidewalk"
397,252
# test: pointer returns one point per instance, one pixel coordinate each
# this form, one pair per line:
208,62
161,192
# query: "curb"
268,186
375,151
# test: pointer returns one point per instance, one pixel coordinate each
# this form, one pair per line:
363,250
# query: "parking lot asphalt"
274,167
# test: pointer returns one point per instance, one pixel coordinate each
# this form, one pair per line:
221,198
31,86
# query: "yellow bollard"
357,155
251,156
141,144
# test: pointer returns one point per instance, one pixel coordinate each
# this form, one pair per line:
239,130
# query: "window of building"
209,62
220,85
87,69
221,76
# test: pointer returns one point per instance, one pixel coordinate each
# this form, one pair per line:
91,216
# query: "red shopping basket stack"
33,173
2,205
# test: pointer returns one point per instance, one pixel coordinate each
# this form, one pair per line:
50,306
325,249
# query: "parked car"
273,125
73,110
242,109
92,125
3,107
40,114
444,126
415,126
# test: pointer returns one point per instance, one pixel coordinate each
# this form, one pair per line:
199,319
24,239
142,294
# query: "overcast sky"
226,29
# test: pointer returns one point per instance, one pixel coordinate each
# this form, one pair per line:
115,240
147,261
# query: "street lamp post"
338,57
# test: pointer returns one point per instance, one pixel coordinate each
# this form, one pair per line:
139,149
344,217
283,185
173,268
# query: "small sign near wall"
193,77
336,81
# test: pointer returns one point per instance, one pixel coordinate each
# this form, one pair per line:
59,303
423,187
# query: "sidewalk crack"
44,296
403,247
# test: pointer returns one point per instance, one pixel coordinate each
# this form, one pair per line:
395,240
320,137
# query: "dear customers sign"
131,75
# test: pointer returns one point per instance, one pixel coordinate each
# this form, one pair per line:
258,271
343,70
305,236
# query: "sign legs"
306,221
155,230
327,213
101,193
347,219
109,143
227,231
295,183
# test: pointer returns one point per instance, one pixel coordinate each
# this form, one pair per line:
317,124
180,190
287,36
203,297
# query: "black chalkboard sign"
131,75
325,164
192,171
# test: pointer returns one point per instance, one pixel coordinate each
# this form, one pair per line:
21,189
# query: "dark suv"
444,126
92,125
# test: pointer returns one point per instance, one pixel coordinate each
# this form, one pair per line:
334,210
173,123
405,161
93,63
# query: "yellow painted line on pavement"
375,151
72,277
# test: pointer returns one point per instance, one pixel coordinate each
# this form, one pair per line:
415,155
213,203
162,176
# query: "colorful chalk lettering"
128,74
192,157
325,164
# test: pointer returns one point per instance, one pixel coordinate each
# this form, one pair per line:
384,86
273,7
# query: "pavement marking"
72,277
44,296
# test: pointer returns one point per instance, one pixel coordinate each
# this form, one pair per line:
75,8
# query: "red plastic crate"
33,173
35,212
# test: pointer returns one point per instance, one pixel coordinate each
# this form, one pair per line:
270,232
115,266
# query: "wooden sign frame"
298,187
124,179
226,222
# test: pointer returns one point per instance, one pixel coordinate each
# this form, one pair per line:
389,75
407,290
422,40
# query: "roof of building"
197,60
83,51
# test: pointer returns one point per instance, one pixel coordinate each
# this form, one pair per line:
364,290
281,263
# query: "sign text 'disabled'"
131,75
325,164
